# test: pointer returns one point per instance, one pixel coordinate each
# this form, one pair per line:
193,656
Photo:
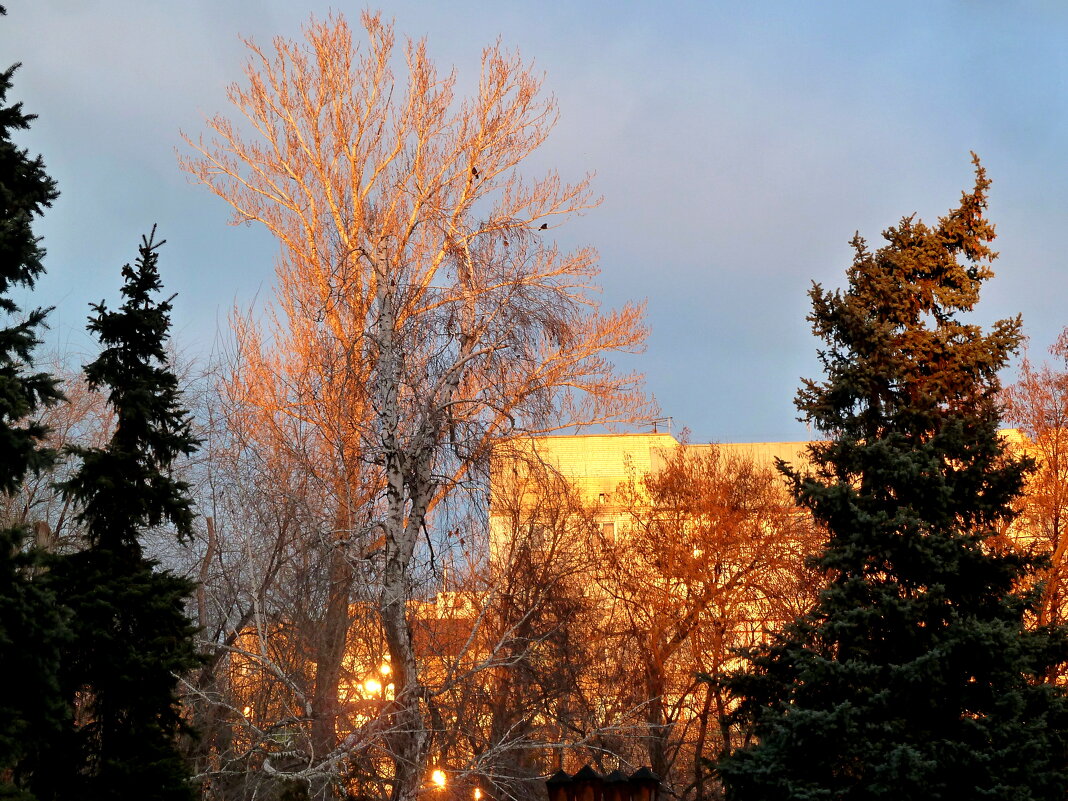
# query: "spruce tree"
31,629
914,676
131,633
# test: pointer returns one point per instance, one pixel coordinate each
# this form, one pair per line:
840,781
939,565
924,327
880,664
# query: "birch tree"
422,310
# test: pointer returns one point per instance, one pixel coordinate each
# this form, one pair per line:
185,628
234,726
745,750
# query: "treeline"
317,582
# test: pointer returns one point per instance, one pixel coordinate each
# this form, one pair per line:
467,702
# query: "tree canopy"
423,312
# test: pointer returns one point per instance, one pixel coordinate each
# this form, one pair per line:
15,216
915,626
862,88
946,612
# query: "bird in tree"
31,629
131,633
913,676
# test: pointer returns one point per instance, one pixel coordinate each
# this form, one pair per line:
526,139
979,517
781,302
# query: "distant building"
595,465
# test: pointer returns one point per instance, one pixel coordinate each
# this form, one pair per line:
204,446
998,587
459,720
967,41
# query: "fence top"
560,777
587,773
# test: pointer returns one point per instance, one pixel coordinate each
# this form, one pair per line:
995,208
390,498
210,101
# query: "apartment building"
595,466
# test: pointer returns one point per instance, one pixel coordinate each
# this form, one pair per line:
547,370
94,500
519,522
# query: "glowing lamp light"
438,778
478,794
246,711
373,686
385,669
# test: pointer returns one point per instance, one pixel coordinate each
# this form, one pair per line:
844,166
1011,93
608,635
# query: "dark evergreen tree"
131,634
31,629
914,676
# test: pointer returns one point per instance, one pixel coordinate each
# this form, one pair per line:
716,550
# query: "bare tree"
421,313
262,558
509,711
710,560
1038,404
81,419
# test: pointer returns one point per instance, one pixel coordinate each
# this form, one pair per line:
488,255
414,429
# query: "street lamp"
373,686
437,778
617,786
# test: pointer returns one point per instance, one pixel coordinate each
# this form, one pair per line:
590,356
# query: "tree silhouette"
131,633
31,628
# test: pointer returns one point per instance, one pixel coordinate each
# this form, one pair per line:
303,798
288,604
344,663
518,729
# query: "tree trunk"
699,746
329,656
655,718
407,735
407,479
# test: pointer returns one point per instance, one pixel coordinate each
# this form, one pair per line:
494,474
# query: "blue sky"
738,146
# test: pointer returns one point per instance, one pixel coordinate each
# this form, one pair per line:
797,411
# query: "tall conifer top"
914,676
129,486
